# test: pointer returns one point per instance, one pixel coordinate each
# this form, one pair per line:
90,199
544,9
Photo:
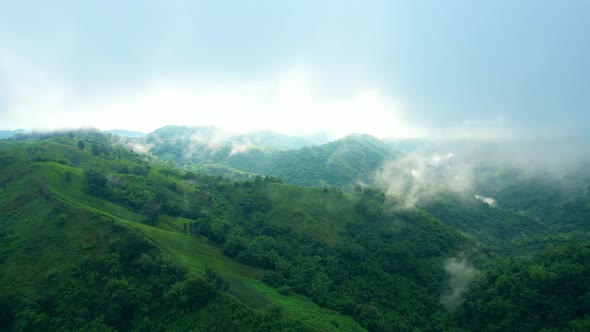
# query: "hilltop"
342,163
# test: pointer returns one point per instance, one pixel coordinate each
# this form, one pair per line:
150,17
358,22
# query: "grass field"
302,309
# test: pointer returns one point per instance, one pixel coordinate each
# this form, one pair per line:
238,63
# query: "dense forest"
339,163
97,237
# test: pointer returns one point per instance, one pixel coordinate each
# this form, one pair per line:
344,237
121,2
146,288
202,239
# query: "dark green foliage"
562,204
389,256
339,163
192,293
215,280
490,225
96,149
152,212
81,145
371,204
7,303
551,291
113,291
255,199
96,183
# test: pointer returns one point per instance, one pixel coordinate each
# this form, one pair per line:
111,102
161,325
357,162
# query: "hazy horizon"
492,70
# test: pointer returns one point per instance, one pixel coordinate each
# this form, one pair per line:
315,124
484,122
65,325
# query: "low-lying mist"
460,274
463,166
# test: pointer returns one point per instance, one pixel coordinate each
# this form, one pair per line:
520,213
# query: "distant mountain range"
340,163
213,137
119,132
8,133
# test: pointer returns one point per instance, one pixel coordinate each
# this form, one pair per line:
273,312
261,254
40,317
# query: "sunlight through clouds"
285,104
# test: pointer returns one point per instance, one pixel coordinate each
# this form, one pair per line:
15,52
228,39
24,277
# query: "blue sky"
485,69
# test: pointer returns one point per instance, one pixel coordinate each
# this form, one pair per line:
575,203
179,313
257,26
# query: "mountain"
212,137
8,133
94,236
92,253
125,242
341,163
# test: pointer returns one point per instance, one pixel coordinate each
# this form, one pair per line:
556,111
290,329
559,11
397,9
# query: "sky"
447,69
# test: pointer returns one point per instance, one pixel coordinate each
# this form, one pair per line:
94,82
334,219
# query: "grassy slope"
308,313
46,235
195,253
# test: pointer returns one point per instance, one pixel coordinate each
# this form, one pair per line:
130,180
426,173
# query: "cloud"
385,68
32,96
290,102
488,200
424,171
138,148
460,275
463,165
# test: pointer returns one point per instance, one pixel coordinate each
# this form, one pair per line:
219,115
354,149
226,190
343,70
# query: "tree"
81,145
96,150
152,212
193,293
44,189
96,184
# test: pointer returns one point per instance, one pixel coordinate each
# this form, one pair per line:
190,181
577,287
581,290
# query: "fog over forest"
172,165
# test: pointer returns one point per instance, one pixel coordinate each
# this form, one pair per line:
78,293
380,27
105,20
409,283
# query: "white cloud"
488,200
33,96
288,103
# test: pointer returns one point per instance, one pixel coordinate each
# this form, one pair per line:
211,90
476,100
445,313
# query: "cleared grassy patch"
302,309
43,234
72,191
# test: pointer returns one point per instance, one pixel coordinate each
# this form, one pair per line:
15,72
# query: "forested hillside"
342,163
94,236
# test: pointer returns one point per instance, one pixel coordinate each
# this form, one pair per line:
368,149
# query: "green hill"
342,163
63,251
9,133
276,256
96,237
206,144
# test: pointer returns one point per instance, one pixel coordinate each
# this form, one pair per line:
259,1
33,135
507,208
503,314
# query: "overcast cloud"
390,68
